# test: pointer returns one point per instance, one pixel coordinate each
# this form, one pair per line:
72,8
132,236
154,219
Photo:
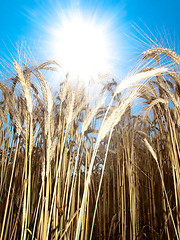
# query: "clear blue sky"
29,20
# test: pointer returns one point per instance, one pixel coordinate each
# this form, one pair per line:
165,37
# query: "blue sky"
29,21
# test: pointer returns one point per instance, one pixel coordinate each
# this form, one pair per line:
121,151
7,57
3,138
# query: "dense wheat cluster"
73,167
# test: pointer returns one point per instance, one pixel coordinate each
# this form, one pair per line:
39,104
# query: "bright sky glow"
41,24
81,47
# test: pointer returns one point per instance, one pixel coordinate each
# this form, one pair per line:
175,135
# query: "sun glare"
81,47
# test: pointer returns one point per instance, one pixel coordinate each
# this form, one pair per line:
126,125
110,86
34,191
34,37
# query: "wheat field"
78,167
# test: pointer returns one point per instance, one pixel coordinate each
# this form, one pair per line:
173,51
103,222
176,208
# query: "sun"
81,47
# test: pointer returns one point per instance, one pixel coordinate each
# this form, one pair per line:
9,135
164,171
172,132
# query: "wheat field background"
73,166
